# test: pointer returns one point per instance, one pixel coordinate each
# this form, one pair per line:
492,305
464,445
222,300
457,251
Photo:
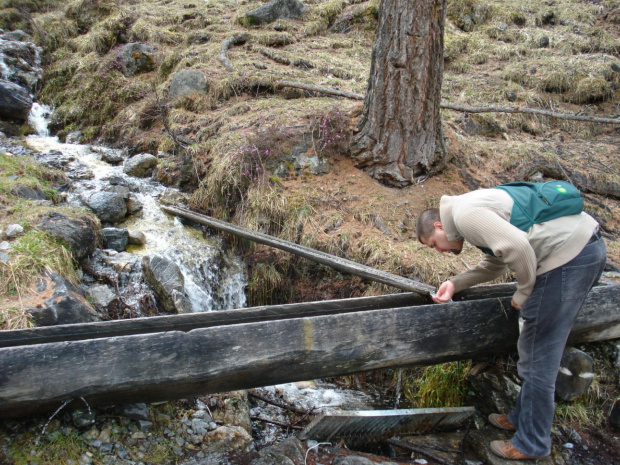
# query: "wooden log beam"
178,364
341,264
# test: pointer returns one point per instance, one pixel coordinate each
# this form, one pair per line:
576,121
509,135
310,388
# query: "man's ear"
438,225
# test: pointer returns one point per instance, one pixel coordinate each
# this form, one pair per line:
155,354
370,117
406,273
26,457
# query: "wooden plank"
187,322
341,264
177,364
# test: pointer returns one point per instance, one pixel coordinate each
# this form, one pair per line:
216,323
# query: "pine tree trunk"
399,133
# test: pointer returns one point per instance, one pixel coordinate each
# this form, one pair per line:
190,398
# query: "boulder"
102,295
228,439
186,82
492,391
80,234
133,204
167,282
61,303
137,58
137,238
137,411
264,14
15,101
141,165
111,156
115,238
291,451
29,193
108,206
16,35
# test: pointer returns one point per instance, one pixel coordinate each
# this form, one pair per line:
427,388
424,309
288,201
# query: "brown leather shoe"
501,421
506,450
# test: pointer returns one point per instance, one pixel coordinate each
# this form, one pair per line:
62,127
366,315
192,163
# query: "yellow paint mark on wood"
309,334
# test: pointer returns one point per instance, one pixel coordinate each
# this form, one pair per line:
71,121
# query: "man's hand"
444,293
514,304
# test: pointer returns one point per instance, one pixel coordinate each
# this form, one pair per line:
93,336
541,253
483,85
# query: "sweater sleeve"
483,227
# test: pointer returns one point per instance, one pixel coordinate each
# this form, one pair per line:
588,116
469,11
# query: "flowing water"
214,278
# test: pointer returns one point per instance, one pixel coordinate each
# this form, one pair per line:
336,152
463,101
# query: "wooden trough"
163,358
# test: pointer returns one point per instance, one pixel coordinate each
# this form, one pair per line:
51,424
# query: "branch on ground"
463,108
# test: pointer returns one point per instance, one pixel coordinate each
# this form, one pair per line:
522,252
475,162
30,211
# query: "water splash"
39,119
49,420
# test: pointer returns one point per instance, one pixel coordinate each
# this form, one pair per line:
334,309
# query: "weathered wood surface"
177,364
341,264
189,321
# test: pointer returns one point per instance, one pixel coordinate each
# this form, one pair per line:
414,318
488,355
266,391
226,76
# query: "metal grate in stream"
383,423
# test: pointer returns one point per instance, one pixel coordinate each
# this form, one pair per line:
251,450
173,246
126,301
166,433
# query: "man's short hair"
425,226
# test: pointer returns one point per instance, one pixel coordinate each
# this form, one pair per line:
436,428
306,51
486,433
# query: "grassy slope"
497,60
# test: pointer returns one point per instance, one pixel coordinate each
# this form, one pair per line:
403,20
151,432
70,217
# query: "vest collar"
446,205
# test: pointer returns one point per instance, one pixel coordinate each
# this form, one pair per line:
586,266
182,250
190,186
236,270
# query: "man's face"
439,241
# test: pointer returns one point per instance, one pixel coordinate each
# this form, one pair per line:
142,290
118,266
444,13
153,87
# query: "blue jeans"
549,314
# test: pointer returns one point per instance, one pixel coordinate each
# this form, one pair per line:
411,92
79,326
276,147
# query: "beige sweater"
482,218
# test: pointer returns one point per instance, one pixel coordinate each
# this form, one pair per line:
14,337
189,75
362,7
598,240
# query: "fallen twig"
453,106
277,423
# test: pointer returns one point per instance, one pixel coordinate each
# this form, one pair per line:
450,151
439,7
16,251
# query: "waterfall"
39,119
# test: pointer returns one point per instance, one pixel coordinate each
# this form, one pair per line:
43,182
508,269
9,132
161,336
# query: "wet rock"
173,198
111,156
102,295
133,204
108,206
62,303
228,439
137,411
492,391
115,238
141,165
137,238
81,234
186,82
26,192
290,9
4,258
15,101
166,280
145,425
137,58
16,35
13,230
82,418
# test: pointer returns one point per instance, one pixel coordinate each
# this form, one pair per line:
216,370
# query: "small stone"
96,443
544,42
13,230
145,425
568,445
615,67
4,258
511,96
212,426
4,245
180,442
106,447
420,461
177,450
138,435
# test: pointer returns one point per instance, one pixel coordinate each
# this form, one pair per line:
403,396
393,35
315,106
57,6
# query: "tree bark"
399,133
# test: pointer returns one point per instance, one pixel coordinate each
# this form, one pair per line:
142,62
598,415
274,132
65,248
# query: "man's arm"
484,227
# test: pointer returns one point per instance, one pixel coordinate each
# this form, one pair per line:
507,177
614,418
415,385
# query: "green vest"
539,202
